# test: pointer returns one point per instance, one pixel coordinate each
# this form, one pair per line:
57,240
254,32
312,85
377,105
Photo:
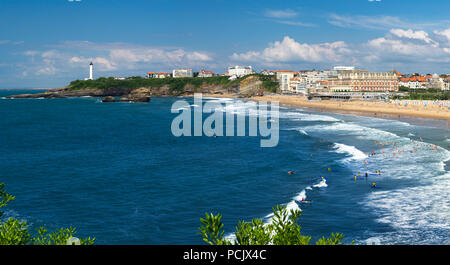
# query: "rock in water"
108,99
137,95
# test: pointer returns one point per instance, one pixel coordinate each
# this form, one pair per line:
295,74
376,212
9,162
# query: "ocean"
115,172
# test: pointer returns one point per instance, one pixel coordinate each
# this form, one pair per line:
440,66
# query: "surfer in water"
303,201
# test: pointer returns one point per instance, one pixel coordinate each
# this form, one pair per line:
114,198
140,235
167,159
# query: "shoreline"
368,109
420,112
374,108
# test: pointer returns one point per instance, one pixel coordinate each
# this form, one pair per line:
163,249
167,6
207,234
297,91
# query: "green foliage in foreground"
16,232
283,230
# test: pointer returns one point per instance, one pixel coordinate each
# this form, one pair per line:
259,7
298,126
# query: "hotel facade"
363,81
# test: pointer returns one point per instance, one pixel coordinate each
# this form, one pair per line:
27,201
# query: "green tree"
282,230
16,232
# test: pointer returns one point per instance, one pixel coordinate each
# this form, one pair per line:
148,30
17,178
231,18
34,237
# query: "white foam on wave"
321,184
351,150
299,116
353,129
292,205
420,214
419,211
303,132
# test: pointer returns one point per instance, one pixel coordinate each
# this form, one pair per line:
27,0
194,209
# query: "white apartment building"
298,85
267,72
447,84
436,82
413,84
316,81
284,78
182,73
239,71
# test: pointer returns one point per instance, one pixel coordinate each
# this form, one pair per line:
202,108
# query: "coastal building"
447,83
119,78
204,73
284,78
163,75
363,81
151,75
315,81
436,82
344,68
176,73
239,71
267,72
412,83
320,86
298,85
418,82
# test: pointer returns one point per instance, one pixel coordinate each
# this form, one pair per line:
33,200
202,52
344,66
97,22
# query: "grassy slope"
175,84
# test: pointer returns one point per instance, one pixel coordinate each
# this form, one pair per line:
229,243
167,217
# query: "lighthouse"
91,70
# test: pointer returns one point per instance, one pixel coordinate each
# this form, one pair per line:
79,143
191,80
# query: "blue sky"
48,43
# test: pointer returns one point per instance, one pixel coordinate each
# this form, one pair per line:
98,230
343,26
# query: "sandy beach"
424,109
394,109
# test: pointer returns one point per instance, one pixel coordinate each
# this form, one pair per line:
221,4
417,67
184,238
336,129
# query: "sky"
48,43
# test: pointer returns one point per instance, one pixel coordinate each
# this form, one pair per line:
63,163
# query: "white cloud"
404,48
379,22
169,57
295,23
410,34
286,17
11,42
289,50
47,70
108,57
281,13
407,46
444,33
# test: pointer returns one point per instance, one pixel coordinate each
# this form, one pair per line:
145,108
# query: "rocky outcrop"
142,94
66,93
251,86
108,99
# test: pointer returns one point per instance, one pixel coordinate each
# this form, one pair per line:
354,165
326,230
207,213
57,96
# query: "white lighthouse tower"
91,70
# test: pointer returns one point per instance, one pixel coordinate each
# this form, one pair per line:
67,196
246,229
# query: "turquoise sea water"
115,171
